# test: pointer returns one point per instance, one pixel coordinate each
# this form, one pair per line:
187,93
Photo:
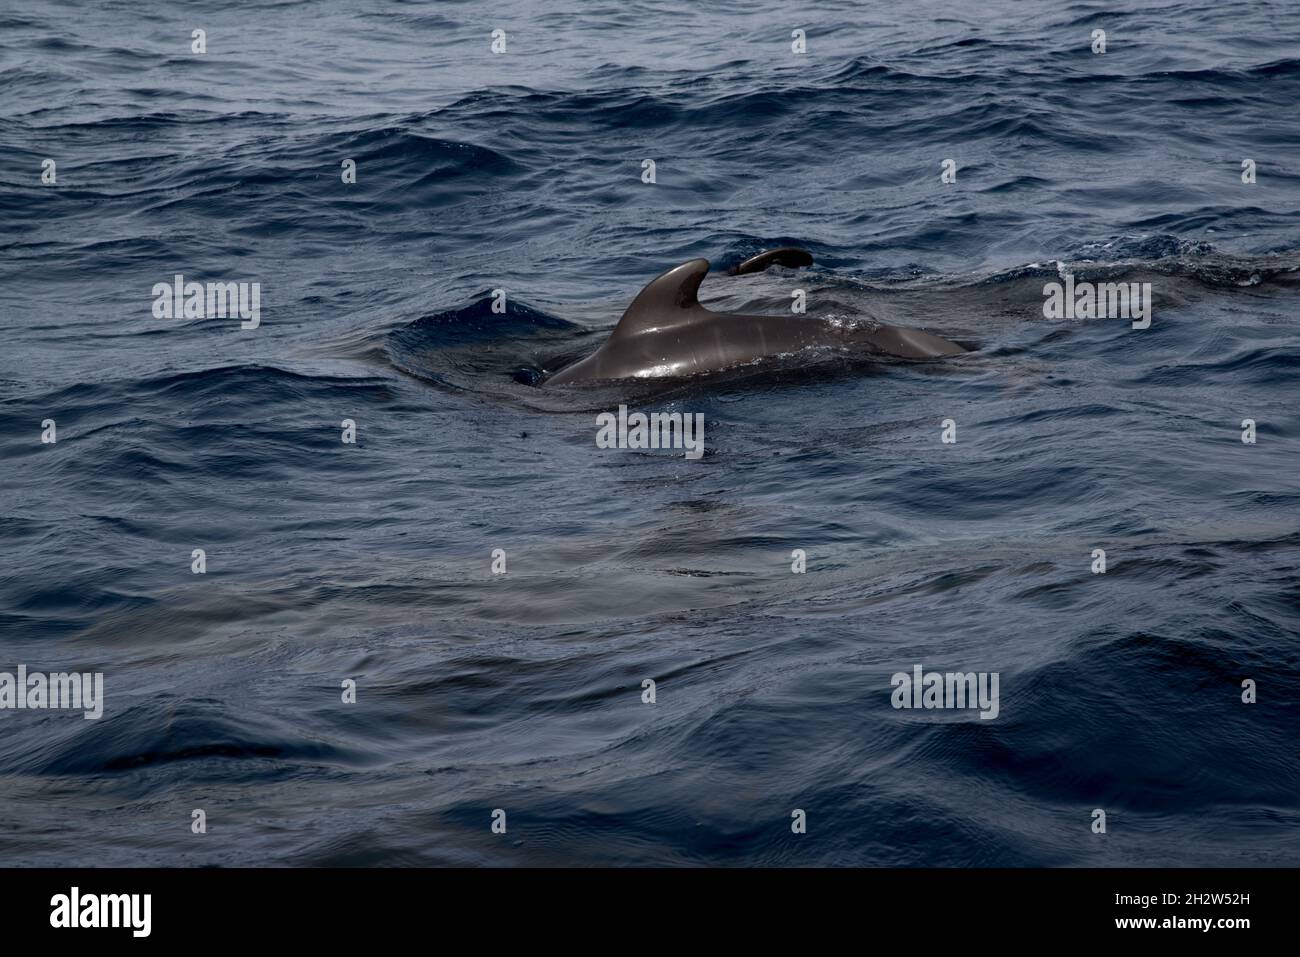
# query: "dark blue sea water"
521,171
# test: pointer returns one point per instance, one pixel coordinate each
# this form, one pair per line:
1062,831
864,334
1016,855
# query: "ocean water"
522,171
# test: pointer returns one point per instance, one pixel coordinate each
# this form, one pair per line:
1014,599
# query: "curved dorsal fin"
665,300
792,257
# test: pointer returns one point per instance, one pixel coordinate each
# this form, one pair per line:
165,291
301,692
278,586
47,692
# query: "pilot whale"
665,332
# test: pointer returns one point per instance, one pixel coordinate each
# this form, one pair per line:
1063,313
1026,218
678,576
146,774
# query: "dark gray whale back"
666,332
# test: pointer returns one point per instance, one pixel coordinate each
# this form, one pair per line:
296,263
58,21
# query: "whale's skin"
665,332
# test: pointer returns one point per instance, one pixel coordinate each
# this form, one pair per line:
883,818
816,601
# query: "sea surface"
521,171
